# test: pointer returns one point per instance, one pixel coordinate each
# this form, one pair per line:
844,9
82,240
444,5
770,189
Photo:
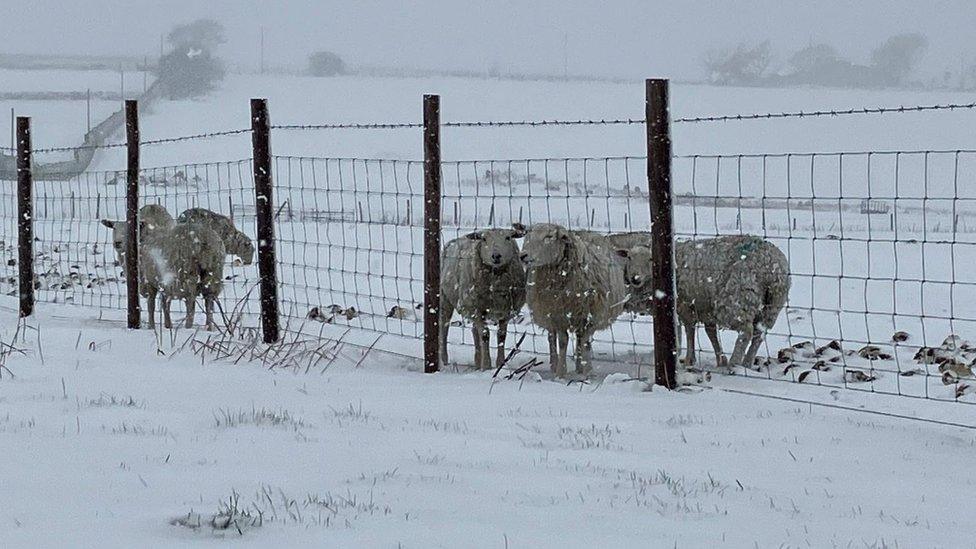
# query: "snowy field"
363,451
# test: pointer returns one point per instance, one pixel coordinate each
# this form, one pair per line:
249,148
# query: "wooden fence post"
658,122
132,215
25,216
264,209
432,232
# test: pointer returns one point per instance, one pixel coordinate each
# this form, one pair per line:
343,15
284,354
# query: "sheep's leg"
584,352
553,352
757,337
563,337
208,307
447,309
485,344
740,346
712,332
151,307
502,334
167,321
191,306
690,344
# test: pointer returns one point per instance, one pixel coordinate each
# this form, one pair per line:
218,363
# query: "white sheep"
575,284
484,281
235,241
154,217
174,260
738,282
181,263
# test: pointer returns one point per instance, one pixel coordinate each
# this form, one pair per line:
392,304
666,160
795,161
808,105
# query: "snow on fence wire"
880,245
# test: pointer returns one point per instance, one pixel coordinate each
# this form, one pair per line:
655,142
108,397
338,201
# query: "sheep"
235,241
640,299
739,282
167,249
484,281
182,262
154,216
575,284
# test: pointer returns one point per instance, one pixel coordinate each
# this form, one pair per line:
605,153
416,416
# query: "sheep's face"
152,217
118,238
637,265
247,251
545,244
497,247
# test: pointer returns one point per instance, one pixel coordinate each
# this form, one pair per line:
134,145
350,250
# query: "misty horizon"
631,40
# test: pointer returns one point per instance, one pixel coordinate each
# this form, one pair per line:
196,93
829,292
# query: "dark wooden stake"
25,216
432,231
658,121
264,208
132,214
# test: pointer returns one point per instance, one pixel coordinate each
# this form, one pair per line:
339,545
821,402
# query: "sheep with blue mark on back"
737,282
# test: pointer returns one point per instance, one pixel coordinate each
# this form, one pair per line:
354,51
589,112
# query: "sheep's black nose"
497,258
524,257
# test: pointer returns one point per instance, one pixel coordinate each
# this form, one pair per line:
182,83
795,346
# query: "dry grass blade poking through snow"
233,341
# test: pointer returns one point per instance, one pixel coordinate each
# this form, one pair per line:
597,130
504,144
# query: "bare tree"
325,63
192,68
895,60
744,64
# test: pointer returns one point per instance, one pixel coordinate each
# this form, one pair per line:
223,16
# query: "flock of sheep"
182,258
573,281
578,282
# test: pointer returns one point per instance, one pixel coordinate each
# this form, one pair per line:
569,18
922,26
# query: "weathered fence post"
132,214
432,231
658,122
264,209
25,216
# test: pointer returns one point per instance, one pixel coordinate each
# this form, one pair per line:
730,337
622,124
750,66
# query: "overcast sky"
630,38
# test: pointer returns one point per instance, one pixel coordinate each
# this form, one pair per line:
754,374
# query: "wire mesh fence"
879,243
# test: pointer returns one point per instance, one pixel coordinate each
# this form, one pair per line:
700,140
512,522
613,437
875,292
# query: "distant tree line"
892,64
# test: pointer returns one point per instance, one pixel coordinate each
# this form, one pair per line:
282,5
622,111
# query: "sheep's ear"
518,230
475,236
109,223
623,253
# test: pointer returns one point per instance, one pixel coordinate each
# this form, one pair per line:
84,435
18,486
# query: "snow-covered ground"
114,439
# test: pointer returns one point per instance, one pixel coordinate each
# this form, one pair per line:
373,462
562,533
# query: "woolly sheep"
738,282
575,284
154,216
180,263
484,281
235,241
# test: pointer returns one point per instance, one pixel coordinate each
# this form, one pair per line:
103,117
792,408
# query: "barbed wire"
147,142
828,113
530,123
633,121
